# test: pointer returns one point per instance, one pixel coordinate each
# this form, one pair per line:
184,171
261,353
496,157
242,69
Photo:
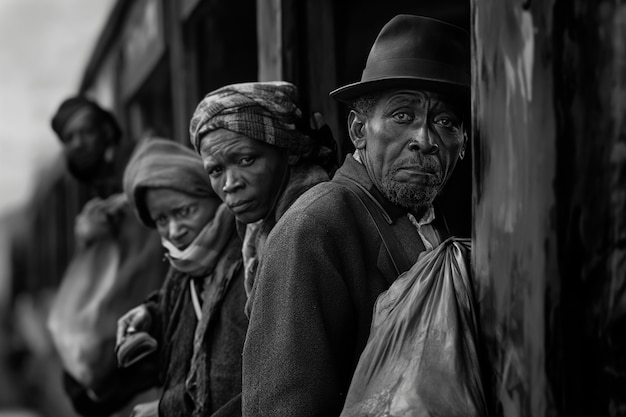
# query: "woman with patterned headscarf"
196,321
260,157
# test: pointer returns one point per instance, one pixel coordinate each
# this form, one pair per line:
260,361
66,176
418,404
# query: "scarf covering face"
200,257
265,111
162,163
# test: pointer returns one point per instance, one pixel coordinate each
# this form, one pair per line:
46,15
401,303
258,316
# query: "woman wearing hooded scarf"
260,156
196,321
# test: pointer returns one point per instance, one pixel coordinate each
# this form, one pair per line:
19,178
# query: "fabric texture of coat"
323,268
173,325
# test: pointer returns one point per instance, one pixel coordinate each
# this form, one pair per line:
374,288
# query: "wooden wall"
550,203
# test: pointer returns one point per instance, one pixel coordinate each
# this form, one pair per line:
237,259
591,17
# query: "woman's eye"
161,221
246,160
184,211
402,116
214,172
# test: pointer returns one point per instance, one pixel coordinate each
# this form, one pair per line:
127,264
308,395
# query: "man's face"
410,143
245,173
85,140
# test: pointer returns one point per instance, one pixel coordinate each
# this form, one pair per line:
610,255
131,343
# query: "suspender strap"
382,222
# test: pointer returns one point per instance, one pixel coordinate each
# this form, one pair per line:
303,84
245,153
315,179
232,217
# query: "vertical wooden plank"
177,71
320,63
269,38
514,148
590,60
550,203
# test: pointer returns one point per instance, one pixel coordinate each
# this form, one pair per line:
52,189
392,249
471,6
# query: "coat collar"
355,171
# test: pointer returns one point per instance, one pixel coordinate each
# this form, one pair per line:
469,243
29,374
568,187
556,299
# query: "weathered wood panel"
549,110
590,86
514,166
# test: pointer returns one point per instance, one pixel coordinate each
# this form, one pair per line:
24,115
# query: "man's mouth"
421,173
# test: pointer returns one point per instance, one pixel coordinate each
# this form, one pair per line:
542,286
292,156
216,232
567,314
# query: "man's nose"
233,182
422,140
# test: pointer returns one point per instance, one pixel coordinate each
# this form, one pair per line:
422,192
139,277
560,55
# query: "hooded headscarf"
265,111
159,163
162,163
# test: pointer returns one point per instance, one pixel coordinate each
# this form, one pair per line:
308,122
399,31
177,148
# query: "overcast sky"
44,48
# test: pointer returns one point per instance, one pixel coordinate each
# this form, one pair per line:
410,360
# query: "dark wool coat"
173,325
323,269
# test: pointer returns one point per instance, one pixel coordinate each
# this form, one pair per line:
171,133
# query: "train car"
547,170
156,59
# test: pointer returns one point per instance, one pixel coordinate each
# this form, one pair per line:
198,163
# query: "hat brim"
349,93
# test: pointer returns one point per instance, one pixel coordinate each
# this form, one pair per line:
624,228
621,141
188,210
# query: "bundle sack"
115,271
421,357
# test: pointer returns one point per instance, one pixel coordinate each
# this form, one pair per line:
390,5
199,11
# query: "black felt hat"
414,51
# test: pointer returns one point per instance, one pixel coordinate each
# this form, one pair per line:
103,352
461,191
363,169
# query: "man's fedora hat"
414,51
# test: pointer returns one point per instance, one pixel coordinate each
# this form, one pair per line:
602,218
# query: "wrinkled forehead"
419,97
221,142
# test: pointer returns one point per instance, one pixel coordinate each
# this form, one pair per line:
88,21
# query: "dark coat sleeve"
300,334
128,382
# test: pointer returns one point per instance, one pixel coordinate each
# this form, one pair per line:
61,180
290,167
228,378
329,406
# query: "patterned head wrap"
162,163
70,106
265,111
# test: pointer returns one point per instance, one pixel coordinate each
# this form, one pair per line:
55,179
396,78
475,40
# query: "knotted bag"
114,272
421,358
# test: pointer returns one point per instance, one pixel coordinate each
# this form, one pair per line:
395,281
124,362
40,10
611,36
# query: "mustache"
418,161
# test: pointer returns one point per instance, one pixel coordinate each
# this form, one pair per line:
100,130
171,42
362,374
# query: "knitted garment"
265,111
201,256
301,178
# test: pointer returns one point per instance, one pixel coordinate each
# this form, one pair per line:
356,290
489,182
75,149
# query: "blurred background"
44,47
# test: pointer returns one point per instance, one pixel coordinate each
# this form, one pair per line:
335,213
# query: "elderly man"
345,241
94,156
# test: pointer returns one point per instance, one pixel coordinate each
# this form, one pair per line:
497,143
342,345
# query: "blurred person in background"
197,319
95,156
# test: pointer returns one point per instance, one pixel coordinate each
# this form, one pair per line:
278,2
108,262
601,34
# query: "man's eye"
246,160
402,116
184,211
444,121
161,221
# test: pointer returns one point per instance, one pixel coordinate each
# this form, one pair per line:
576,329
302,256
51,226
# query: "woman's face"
246,174
178,216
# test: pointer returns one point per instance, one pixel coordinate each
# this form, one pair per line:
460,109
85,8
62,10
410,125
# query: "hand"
136,320
150,409
91,223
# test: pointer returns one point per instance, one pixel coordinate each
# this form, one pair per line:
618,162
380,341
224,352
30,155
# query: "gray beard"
410,197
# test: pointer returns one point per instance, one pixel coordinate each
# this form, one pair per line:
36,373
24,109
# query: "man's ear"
465,140
356,129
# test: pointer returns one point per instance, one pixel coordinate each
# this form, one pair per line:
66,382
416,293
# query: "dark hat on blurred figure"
414,51
71,105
